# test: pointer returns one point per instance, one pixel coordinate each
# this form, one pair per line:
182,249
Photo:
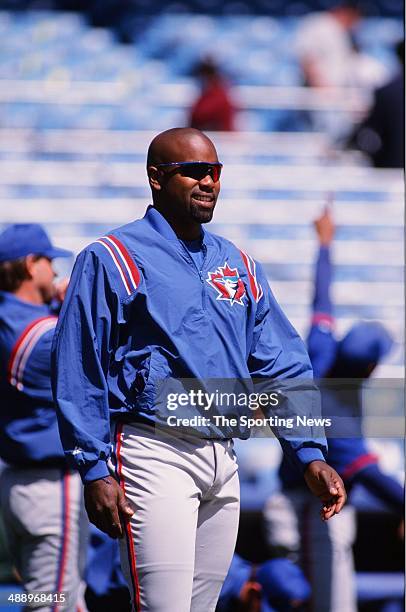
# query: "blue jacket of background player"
28,425
365,343
139,310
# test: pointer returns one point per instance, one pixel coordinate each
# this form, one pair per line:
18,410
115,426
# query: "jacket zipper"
200,272
202,277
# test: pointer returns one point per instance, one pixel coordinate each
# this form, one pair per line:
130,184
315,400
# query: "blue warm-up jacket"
139,310
28,427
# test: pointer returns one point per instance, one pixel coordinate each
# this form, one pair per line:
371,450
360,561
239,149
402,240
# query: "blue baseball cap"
22,239
366,342
283,581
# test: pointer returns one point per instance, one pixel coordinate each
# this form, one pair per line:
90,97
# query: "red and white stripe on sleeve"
250,266
24,346
123,261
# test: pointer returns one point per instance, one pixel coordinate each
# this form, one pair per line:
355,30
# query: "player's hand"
250,597
325,227
106,506
326,484
60,289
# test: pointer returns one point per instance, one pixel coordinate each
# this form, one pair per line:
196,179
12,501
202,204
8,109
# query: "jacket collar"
9,300
154,218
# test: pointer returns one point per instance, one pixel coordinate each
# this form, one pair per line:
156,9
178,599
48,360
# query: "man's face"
186,198
43,276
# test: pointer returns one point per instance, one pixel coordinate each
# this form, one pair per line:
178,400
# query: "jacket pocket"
152,370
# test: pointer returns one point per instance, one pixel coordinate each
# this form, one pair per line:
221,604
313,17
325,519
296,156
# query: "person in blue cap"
275,585
326,550
41,498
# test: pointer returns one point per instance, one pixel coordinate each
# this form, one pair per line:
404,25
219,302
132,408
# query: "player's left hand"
324,482
250,597
60,289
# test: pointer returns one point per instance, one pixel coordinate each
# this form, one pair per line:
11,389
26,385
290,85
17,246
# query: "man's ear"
154,177
30,262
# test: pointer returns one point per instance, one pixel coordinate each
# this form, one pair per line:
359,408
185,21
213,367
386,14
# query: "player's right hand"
60,289
106,506
324,482
325,227
250,597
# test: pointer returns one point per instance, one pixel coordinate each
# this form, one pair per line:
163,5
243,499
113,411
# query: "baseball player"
327,548
275,585
41,498
149,302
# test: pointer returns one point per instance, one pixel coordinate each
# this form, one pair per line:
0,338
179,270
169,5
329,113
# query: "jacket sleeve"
84,340
278,354
382,486
321,342
35,376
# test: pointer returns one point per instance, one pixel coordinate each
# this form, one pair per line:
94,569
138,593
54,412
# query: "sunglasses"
196,170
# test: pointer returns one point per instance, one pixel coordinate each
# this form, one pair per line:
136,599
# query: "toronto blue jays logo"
228,284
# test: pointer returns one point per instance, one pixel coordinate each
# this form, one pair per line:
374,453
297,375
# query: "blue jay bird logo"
228,284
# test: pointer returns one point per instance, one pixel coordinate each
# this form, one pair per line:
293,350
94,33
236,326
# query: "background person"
214,108
381,135
275,585
326,549
324,45
41,498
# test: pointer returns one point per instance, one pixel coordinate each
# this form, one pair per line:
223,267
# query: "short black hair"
400,51
12,274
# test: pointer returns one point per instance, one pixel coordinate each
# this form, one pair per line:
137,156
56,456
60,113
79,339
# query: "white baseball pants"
46,529
181,538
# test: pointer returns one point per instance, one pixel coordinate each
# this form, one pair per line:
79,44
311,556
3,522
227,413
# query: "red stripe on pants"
65,534
130,543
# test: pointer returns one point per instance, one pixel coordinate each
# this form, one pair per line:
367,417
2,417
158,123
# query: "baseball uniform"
142,307
41,497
